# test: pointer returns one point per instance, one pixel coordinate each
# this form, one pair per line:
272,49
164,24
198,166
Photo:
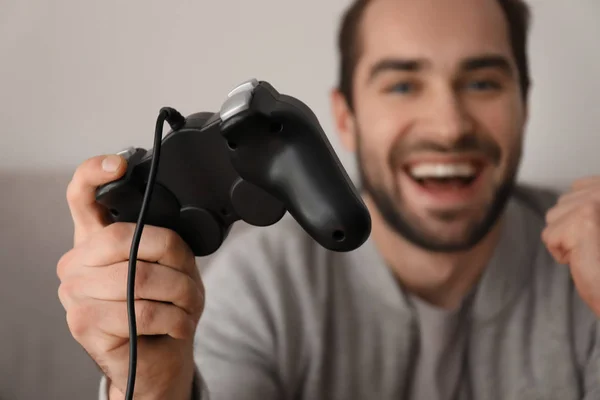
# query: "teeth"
432,170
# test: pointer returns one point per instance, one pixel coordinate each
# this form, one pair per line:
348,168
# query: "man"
470,287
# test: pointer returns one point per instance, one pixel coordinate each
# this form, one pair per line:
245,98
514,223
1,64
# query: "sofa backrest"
39,359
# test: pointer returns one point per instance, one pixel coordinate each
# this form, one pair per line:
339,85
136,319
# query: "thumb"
89,216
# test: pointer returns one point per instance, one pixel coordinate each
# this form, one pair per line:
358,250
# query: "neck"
441,279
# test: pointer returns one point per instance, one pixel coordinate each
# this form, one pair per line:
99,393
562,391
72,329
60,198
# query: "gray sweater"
287,319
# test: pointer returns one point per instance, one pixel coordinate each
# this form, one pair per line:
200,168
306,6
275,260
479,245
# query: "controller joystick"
262,155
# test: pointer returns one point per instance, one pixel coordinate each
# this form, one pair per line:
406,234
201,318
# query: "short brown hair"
517,13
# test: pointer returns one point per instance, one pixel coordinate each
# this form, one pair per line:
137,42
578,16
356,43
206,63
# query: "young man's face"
438,117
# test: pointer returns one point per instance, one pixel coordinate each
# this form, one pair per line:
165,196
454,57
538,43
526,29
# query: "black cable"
176,121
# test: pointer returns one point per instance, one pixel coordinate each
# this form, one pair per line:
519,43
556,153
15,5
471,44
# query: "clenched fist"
168,292
572,236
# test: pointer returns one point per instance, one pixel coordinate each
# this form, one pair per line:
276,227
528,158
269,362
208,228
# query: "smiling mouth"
447,175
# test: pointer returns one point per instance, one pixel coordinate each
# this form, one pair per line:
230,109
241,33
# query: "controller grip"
123,197
198,227
288,155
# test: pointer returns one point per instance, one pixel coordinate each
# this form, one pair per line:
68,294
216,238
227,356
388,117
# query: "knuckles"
199,303
584,182
151,318
66,291
590,217
171,241
590,210
143,276
64,263
189,294
173,244
78,319
549,217
183,328
146,312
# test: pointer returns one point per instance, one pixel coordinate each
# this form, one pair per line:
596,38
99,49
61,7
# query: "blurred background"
81,78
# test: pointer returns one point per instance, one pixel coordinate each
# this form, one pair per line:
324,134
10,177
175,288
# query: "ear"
343,119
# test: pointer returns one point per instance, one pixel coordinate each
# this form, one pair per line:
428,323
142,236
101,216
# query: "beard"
399,218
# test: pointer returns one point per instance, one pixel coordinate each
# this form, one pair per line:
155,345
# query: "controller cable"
176,121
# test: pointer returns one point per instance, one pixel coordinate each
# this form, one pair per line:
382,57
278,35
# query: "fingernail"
111,163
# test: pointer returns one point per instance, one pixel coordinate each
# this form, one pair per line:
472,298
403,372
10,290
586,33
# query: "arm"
235,340
591,371
199,390
572,235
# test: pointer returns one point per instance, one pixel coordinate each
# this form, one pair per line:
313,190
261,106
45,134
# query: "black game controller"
263,154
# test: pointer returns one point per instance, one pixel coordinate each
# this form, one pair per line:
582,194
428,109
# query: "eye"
480,85
401,87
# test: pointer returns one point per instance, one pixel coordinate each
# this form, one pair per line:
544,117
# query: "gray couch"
39,359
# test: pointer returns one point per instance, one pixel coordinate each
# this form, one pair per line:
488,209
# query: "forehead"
441,31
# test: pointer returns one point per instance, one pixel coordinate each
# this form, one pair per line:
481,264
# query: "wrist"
180,390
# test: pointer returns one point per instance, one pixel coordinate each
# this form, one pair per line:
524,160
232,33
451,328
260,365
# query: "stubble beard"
398,218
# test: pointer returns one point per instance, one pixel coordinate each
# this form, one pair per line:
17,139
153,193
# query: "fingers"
571,201
564,233
558,236
88,216
152,282
113,245
566,204
583,183
110,317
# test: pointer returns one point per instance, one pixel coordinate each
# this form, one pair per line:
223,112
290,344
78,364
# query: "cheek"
378,130
502,120
380,123
374,153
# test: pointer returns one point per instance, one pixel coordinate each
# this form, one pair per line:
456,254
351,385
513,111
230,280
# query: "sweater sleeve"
591,373
103,393
199,389
236,340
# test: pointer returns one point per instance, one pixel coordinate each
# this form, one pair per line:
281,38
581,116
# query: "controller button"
234,105
200,230
127,153
238,100
247,86
254,205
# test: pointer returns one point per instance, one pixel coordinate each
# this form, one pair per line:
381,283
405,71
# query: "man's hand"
572,235
168,293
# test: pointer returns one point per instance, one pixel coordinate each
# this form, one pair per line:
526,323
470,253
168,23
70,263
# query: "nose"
446,116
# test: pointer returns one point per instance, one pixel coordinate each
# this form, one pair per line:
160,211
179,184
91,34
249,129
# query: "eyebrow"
396,64
414,65
487,61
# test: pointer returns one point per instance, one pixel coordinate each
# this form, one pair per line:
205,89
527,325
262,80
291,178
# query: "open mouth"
451,175
448,179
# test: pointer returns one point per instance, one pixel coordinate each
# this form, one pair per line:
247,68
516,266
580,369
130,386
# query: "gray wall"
79,78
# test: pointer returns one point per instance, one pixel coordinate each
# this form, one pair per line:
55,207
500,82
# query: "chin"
455,229
447,227
447,204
